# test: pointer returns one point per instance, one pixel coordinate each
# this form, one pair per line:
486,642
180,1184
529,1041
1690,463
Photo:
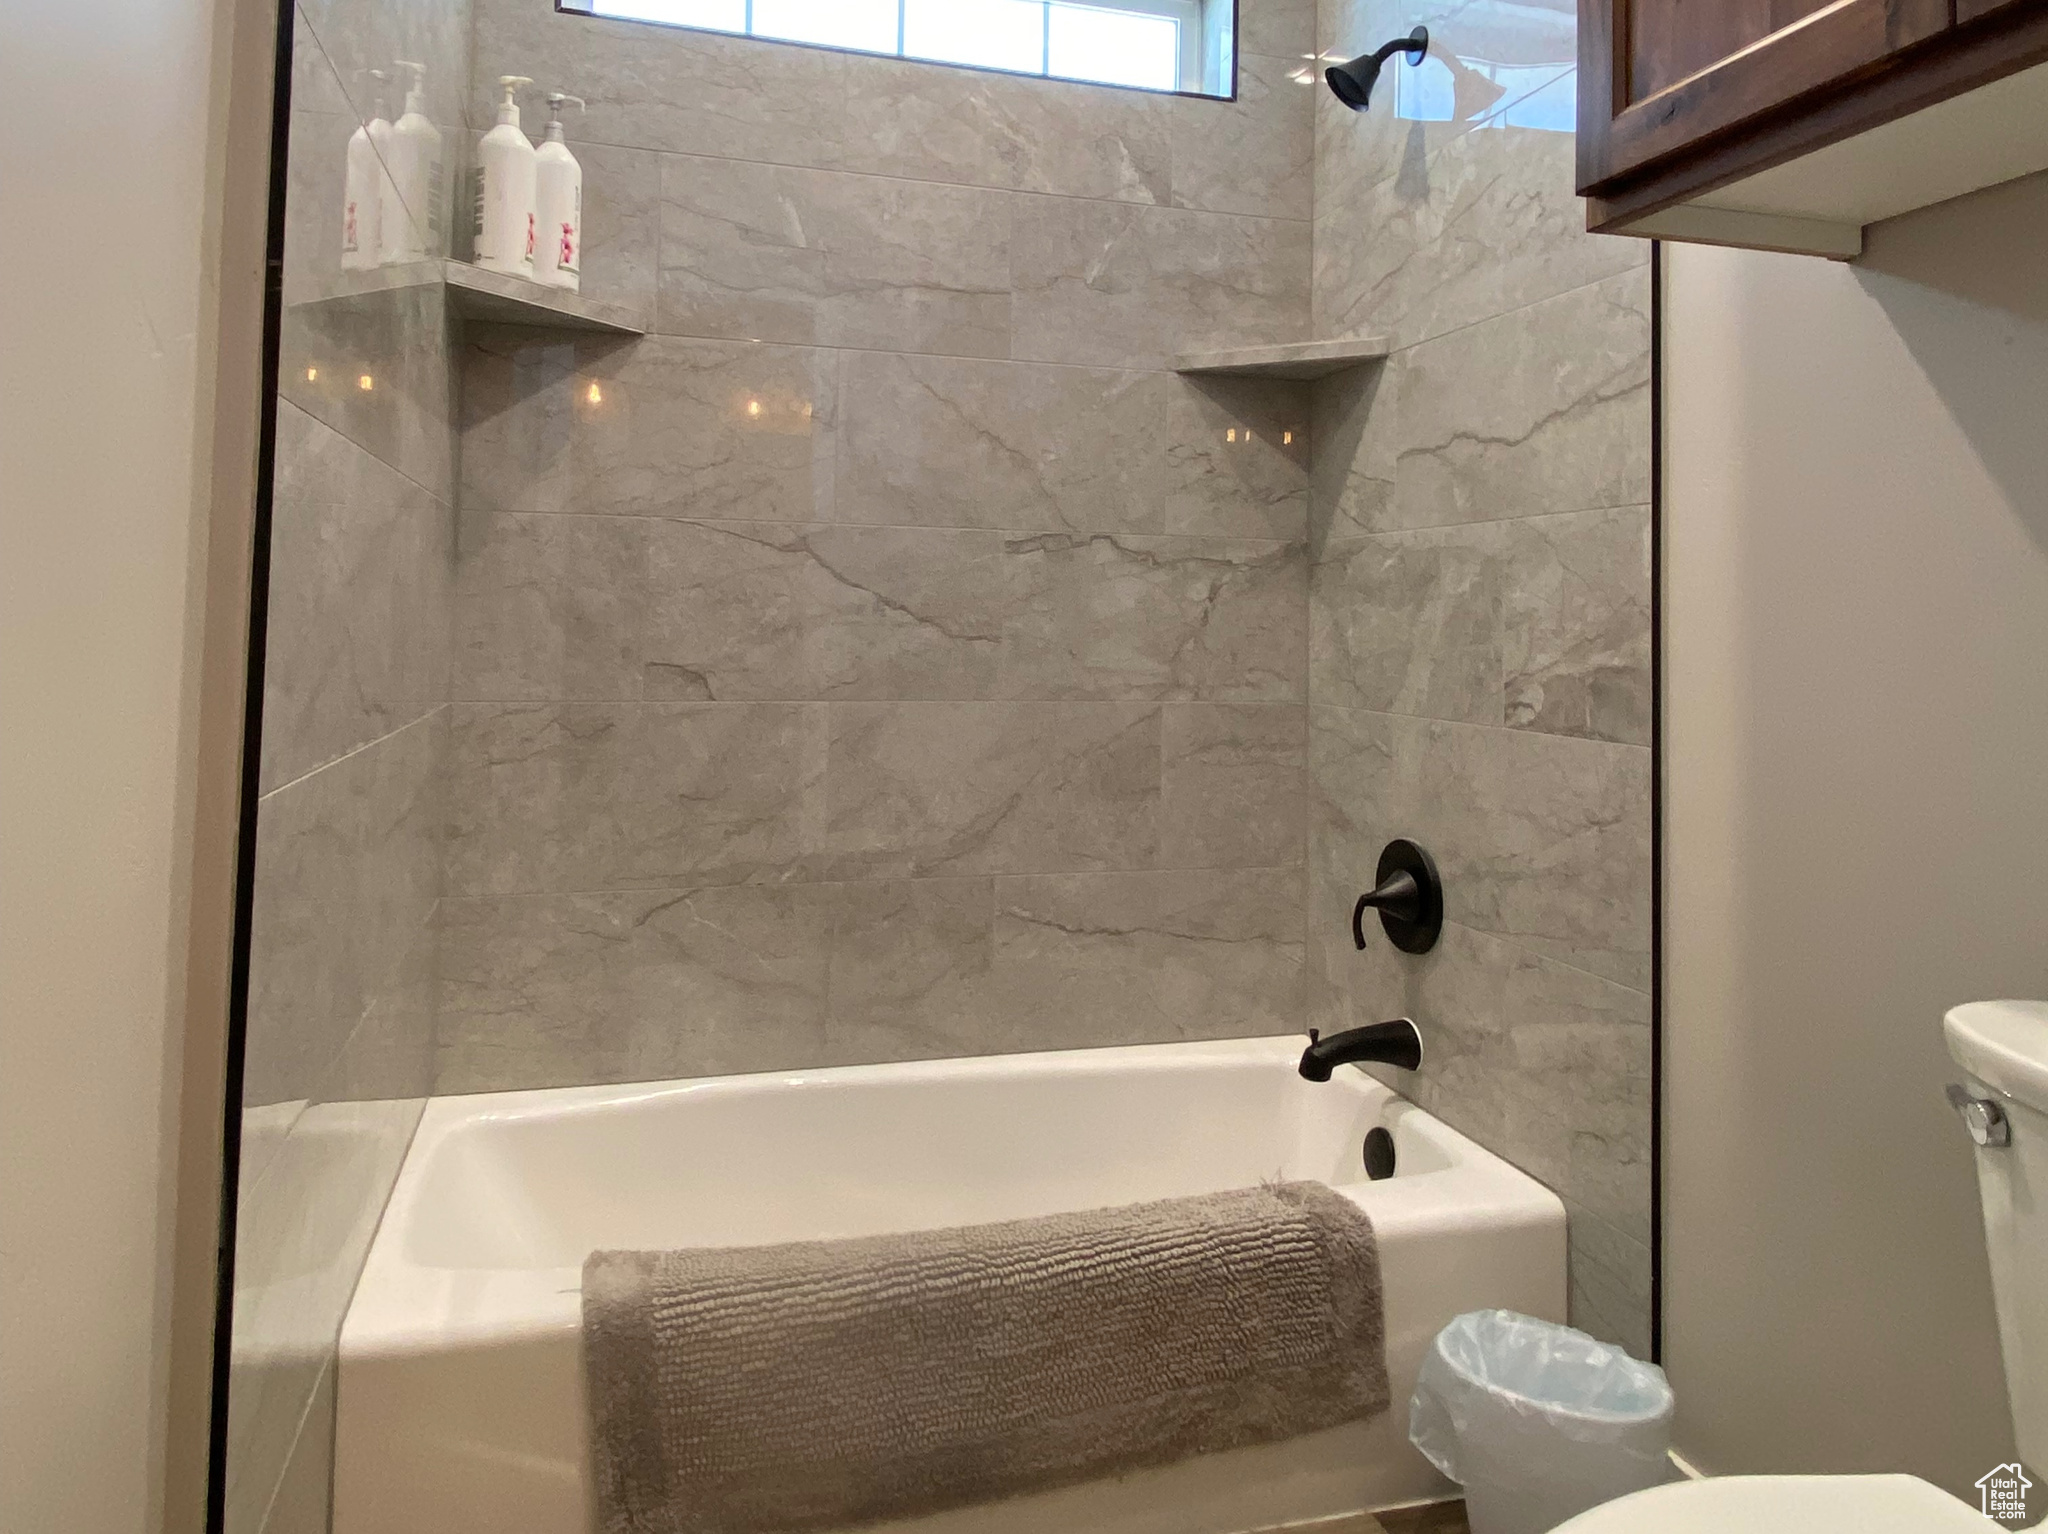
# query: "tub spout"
1397,1043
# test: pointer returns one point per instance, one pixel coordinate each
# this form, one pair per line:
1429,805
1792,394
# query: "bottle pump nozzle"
508,108
555,102
416,88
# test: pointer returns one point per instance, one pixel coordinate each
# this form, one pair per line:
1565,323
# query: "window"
1490,95
1157,45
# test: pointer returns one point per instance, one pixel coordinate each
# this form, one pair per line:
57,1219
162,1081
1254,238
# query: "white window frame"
1194,17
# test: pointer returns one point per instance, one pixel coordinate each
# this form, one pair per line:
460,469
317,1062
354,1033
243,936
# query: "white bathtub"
460,1406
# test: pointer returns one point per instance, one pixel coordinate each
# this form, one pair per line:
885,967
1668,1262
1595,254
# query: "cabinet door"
1658,77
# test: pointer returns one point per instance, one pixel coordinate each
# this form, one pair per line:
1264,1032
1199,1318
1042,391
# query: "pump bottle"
391,214
416,172
362,209
504,193
558,204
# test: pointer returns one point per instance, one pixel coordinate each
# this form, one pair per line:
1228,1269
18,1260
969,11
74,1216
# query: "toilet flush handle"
1985,1120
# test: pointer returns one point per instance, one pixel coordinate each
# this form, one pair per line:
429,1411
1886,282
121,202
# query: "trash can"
1536,1421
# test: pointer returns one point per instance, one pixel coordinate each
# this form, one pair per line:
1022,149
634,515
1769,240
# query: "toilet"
2002,1047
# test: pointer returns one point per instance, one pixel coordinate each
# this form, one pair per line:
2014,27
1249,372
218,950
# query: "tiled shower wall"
1479,674
889,656
339,1052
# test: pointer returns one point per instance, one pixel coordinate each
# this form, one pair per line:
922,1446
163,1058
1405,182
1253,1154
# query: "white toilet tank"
2002,1047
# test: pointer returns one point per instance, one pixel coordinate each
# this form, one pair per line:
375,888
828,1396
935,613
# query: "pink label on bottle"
529,237
566,256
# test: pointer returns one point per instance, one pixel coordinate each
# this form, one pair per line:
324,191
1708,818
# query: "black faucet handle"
1409,897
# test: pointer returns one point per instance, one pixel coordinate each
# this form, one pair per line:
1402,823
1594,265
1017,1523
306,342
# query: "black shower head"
1352,83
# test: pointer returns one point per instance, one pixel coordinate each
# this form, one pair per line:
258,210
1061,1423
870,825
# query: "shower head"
1352,83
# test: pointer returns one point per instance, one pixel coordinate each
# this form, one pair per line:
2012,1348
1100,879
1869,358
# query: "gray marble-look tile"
347,872
301,1234
1542,1063
1118,285
373,34
1233,792
1545,409
303,1501
1541,623
591,608
1542,840
1576,624
645,985
360,35
667,88
971,788
932,122
912,971
1125,958
1237,457
1351,470
1410,623
1611,1280
908,612
608,796
1252,155
621,223
1545,1064
390,1055
663,425
770,253
1283,28
1486,224
323,119
361,570
1142,617
377,370
957,442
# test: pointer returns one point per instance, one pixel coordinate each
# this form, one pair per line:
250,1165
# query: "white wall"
1856,768
108,447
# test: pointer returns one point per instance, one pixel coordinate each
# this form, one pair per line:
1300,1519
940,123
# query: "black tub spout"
1398,1043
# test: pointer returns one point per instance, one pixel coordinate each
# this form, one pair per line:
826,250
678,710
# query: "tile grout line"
704,338
1157,704
1511,730
863,880
599,517
1534,303
1428,529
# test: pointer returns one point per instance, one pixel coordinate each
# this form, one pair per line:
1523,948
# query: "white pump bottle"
504,193
416,172
362,210
391,215
558,204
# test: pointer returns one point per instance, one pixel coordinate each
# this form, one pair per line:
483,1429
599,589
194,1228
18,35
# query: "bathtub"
459,1403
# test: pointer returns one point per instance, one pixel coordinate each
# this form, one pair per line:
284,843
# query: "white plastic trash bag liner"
1536,1421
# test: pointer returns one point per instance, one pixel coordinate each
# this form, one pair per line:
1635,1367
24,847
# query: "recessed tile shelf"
490,296
503,300
1293,359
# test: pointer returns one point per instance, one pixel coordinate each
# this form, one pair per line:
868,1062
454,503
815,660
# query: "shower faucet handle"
1408,895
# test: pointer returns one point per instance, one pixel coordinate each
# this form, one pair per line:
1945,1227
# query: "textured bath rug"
818,1384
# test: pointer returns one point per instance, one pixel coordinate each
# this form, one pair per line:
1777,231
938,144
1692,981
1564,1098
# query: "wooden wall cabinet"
1791,124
